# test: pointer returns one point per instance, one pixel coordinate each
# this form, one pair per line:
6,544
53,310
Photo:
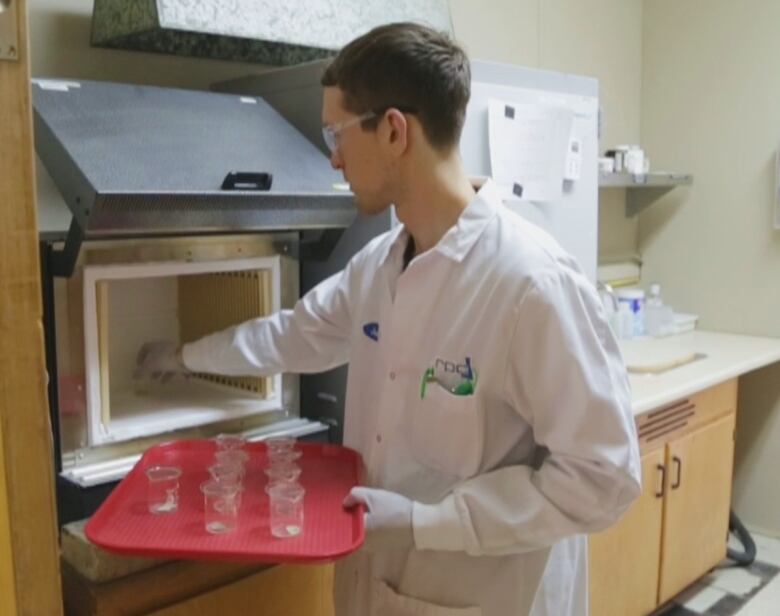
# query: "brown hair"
410,67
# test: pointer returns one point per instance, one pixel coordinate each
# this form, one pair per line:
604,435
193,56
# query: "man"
486,393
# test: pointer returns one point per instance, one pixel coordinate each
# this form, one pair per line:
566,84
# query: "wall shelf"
643,189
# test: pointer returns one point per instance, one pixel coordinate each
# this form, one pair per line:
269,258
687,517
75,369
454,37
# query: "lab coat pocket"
387,602
447,432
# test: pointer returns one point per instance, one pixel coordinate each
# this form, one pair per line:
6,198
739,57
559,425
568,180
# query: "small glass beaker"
272,483
229,442
284,458
232,456
286,509
288,473
220,506
224,472
163,492
279,444
281,474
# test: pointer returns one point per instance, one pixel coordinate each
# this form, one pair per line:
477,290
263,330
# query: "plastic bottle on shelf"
635,300
625,322
658,317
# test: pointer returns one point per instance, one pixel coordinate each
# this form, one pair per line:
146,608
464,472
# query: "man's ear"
477,181
398,130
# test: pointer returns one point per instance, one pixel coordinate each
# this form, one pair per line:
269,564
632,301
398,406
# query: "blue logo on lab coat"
371,330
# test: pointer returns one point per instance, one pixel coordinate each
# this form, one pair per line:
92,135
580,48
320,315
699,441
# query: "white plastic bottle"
658,317
653,311
625,321
635,299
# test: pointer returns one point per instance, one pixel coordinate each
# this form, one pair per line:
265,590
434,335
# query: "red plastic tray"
122,524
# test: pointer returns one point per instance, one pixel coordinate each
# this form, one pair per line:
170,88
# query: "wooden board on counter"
281,591
29,572
153,589
7,578
198,589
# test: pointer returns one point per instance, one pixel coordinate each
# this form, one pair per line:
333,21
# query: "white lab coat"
543,452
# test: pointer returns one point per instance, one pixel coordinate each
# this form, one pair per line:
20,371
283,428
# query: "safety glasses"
331,132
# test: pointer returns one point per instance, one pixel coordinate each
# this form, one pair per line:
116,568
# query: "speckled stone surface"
94,563
278,32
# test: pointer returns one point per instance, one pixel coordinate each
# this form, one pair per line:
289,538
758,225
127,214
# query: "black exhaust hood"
136,161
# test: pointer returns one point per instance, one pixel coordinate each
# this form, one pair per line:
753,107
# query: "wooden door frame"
29,552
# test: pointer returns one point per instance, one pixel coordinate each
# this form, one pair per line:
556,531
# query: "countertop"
725,356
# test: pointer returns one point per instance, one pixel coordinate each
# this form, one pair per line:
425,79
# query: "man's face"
358,155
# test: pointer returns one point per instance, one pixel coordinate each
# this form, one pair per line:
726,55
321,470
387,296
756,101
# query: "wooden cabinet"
696,512
624,560
678,528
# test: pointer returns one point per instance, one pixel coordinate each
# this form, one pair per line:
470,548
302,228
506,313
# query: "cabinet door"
623,560
696,516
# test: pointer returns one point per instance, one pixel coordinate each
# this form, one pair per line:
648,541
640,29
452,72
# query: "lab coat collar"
397,242
457,241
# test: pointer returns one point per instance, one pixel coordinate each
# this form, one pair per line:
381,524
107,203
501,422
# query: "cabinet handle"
660,492
676,483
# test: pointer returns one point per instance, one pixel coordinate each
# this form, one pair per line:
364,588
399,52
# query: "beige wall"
710,97
498,30
600,38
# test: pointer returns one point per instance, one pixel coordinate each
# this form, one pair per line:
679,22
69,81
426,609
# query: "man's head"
410,85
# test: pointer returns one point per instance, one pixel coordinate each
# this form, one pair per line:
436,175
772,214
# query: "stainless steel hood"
135,160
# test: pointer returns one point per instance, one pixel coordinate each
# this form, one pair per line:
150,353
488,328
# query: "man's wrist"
438,526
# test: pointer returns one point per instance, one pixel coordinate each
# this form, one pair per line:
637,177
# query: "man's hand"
388,519
159,360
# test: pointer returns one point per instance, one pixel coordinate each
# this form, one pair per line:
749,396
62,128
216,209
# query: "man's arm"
565,376
312,337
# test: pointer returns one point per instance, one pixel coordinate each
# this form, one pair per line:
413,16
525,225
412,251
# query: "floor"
736,591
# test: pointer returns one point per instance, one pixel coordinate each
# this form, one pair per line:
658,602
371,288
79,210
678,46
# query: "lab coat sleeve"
565,376
312,337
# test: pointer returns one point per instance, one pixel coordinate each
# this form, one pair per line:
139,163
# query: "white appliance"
572,218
